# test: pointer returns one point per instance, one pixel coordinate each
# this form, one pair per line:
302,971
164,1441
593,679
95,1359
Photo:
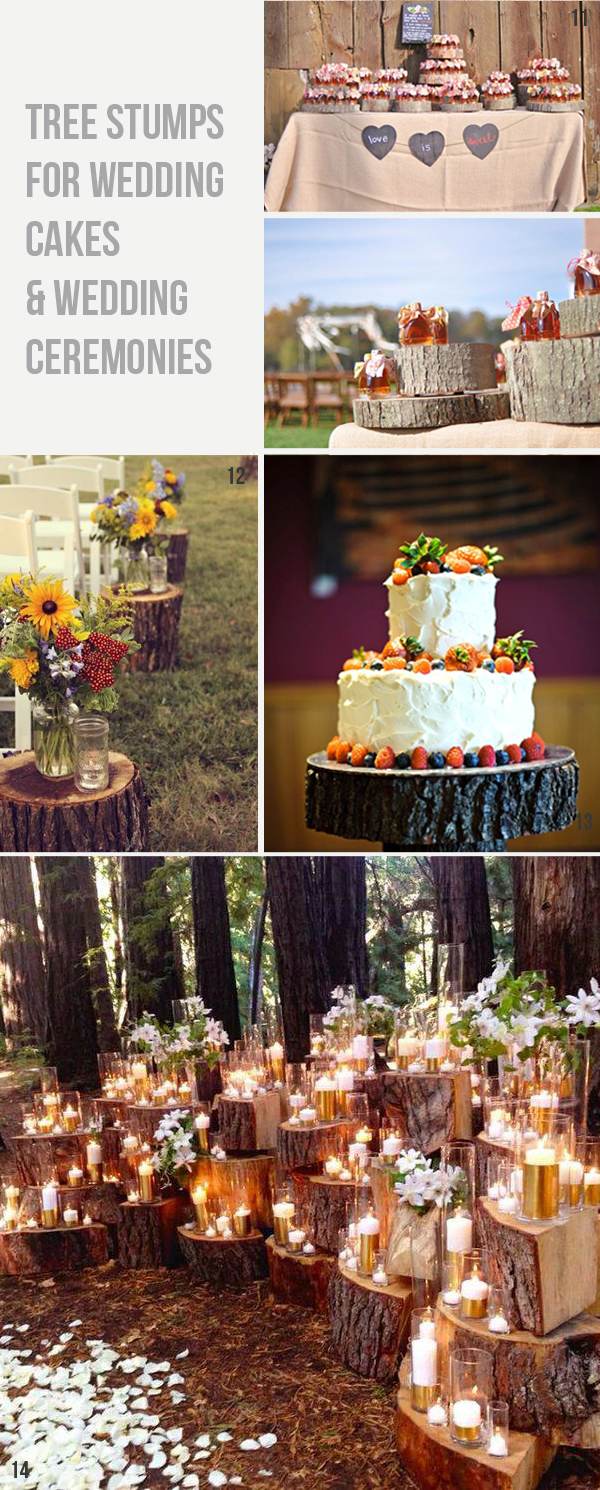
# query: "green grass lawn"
193,732
294,437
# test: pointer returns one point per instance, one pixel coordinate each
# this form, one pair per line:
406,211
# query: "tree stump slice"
224,1263
429,1109
57,1250
580,316
39,1155
555,382
299,1280
148,1235
551,1383
435,1462
156,630
247,1124
457,368
101,1202
40,816
306,1148
254,1174
443,811
328,1203
177,556
111,1111
550,1273
431,411
111,1149
485,1148
369,1325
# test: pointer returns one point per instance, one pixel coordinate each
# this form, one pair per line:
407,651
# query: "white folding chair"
57,533
18,553
20,462
112,470
89,480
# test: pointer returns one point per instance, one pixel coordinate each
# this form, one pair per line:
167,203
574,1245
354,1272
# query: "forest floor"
193,732
250,1366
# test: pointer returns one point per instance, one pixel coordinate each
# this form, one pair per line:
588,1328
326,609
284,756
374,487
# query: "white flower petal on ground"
249,1443
266,1440
182,1355
224,1437
174,1435
157,1460
216,1477
175,1379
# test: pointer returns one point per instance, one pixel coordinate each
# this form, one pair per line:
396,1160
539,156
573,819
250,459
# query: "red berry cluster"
108,646
65,640
98,671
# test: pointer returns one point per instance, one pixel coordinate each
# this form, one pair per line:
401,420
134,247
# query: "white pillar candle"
70,1216
360,1047
345,1079
222,1224
474,1288
459,1233
435,1049
466,1413
407,1046
423,1362
296,1236
391,1146
308,1114
427,1329
333,1167
543,1100
130,1143
541,1155
356,1149
93,1153
138,1071
591,1177
498,1445
575,1172
49,1197
296,1101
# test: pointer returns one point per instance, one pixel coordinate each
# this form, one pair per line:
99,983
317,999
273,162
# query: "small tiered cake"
498,92
544,81
443,691
438,74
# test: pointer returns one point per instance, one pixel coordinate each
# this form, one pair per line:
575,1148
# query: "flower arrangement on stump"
138,521
63,654
177,1148
422,1189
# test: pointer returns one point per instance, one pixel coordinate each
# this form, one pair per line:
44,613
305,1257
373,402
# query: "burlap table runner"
498,436
322,165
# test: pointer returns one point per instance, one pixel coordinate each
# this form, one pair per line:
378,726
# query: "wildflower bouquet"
201,1039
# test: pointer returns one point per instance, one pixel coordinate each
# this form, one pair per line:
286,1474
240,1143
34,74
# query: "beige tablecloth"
322,165
497,436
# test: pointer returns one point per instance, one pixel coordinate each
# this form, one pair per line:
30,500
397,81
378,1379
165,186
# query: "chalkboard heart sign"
427,148
481,139
379,140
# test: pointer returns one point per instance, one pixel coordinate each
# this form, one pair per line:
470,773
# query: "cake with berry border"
444,691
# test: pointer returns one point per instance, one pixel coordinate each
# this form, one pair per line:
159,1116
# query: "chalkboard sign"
417,23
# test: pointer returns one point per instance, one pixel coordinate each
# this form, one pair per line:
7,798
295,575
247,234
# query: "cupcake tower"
445,74
498,92
545,86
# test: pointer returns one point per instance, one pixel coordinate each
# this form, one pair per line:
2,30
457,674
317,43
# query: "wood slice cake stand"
306,1148
550,1383
431,410
436,1462
369,1325
328,1202
249,1123
254,1174
443,811
177,556
550,1272
42,816
155,620
39,1155
555,382
429,1108
59,1249
224,1262
147,1233
298,1279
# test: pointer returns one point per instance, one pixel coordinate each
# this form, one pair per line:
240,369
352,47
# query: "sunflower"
48,606
23,670
145,521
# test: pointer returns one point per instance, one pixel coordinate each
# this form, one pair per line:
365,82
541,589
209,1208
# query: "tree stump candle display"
110,1111
440,811
555,382
252,1175
101,1202
39,1155
39,815
300,1147
42,1252
549,1271
429,1109
249,1123
299,1279
486,1148
147,1232
431,411
435,1462
328,1203
208,1080
224,1262
156,630
369,1325
177,551
143,1118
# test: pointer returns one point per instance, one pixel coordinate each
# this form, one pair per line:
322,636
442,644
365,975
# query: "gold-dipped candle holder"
423,1397
202,1138
50,1218
242,1222
146,1183
540,1191
591,1193
432,1064
467,1435
341,1103
325,1104
95,1172
199,1202
367,1251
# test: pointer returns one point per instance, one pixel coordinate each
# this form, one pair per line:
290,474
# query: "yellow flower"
48,606
168,510
23,670
150,486
170,477
94,514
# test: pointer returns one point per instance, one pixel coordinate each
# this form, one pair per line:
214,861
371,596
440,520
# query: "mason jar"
157,568
134,568
90,758
53,738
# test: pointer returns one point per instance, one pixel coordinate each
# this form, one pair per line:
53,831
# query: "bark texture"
22,974
147,1234
464,913
456,368
177,557
369,1326
215,974
549,1273
108,1035
429,1110
153,979
431,411
579,316
341,889
305,1148
156,630
73,1042
248,1125
39,1155
298,1280
231,1264
42,1253
39,816
328,1203
302,971
252,1174
435,1462
555,382
101,1202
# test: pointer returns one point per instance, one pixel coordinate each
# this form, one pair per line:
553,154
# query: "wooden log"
580,315
247,1124
156,630
327,1204
551,1383
101,1202
250,1174
457,368
435,1462
111,1149
177,556
431,411
369,1325
42,1252
554,382
111,1111
148,1232
143,1118
549,1272
299,1280
224,1262
307,1148
485,1148
439,811
39,1155
42,816
429,1109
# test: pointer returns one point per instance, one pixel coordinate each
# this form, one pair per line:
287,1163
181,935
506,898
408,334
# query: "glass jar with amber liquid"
587,276
414,327
373,376
541,320
438,320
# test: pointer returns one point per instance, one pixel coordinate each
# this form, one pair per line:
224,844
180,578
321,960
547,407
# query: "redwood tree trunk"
108,1038
342,898
302,970
73,1044
215,973
153,977
22,976
256,950
464,911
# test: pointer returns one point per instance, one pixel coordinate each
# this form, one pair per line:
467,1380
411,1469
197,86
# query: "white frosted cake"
443,690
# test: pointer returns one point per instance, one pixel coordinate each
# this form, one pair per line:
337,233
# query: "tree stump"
101,1202
224,1262
580,316
41,816
110,1111
369,1325
177,556
552,1384
39,1155
30,1253
111,1149
247,1124
156,630
250,1174
431,411
550,1272
328,1204
443,811
555,382
485,1148
429,1108
148,1232
143,1118
208,1080
299,1280
457,368
307,1148
372,1087
435,1462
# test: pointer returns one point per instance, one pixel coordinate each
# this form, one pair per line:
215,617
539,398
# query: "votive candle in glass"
474,1288
423,1360
90,752
379,1275
199,1202
295,1239
498,1442
242,1220
470,1393
368,1232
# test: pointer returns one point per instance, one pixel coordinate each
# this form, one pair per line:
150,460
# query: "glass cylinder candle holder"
574,1081
425,1260
344,1080
589,1155
498,1310
437,1412
407,1048
357,1110
458,1165
147,1180
296,1237
497,1116
540,1192
70,1118
199,1196
9,1217
223,1225
362,1051
495,1186
202,1127
47,1078
139,1072
474,1289
450,979
325,1098
157,573
307,1115
510,1184
46,1107
498,1440
284,1211
90,752
368,1237
470,1395
543,1104
379,1274
451,1280
242,1219
69,1210
435,1050
93,1160
49,1204
424,1360
391,1147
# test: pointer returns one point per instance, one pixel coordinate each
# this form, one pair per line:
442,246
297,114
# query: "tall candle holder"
435,1050
540,1193
93,1159
202,1127
470,1395
70,1117
474,1288
147,1180
407,1044
368,1237
49,1204
284,1211
498,1441
69,1210
424,1359
9,1217
498,1310
588,1153
498,1113
325,1098
199,1198
450,965
344,1080
458,1164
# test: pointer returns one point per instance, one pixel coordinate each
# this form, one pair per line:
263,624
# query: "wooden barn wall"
494,34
